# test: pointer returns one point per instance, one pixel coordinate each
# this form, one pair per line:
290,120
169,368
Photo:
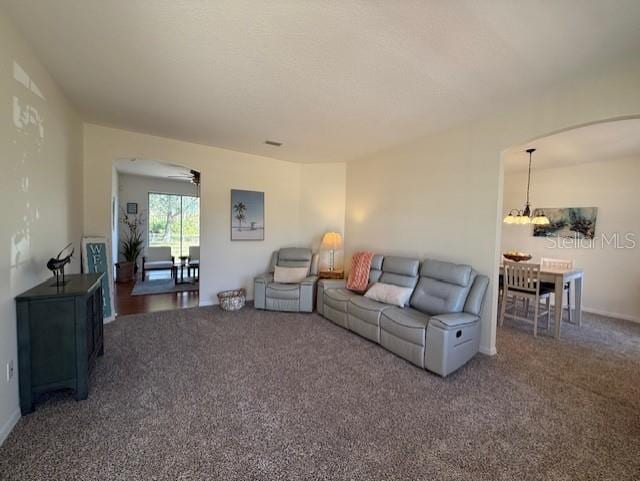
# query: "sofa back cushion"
158,253
291,257
376,269
443,287
400,271
458,274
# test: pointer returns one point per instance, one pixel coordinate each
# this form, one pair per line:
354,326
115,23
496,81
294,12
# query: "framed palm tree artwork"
247,215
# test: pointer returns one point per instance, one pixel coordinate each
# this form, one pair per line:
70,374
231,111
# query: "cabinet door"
52,340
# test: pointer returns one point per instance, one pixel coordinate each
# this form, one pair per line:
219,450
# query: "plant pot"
124,272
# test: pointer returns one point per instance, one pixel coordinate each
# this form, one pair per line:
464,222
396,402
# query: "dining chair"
522,281
559,264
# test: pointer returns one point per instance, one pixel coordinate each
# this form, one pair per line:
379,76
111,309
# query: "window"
174,220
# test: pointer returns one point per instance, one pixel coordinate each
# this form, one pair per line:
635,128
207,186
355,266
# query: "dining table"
559,277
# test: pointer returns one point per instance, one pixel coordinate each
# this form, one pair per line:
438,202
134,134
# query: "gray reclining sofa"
440,328
274,296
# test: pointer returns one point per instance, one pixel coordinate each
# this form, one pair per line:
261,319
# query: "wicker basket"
232,300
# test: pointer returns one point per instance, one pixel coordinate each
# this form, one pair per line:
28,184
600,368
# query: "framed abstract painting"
569,222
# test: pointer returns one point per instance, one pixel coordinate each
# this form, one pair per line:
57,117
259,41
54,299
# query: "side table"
337,274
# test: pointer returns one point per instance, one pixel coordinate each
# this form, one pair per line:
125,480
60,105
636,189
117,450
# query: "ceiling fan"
193,176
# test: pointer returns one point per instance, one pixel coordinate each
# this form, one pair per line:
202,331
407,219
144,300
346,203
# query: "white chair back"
159,253
522,276
556,264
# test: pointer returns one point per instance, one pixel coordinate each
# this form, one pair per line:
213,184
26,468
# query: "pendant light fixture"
527,216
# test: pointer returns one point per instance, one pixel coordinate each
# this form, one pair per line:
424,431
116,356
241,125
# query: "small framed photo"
132,208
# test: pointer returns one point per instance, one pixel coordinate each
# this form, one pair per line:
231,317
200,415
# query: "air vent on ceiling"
273,142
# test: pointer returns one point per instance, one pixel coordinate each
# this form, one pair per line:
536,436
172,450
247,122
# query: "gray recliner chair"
275,296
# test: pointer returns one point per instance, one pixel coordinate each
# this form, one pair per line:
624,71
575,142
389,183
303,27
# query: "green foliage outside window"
174,220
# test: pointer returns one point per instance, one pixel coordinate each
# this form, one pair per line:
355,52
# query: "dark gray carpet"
202,394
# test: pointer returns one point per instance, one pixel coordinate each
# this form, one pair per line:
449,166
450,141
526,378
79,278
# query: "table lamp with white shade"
331,241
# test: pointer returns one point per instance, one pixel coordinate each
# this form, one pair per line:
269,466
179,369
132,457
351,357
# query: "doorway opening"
584,182
156,236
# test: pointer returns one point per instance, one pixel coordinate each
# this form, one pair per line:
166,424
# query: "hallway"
127,304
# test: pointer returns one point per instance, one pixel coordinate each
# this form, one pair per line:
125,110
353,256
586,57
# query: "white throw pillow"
289,275
389,294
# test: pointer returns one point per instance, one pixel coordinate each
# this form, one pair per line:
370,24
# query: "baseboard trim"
9,425
487,351
615,315
209,302
601,312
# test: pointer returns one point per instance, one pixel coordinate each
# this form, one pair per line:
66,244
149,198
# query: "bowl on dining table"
517,256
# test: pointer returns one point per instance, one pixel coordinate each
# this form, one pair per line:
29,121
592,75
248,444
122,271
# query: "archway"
586,170
156,209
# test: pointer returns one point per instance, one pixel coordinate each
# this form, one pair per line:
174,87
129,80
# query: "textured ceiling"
593,143
332,80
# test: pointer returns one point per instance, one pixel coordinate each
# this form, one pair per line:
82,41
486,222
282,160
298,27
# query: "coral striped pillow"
359,275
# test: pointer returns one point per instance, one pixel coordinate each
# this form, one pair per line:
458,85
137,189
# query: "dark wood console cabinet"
60,335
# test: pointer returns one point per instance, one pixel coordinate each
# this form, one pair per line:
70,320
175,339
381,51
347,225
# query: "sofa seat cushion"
158,265
276,290
405,323
366,309
338,298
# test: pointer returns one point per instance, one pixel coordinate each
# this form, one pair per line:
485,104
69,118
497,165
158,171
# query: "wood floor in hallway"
127,304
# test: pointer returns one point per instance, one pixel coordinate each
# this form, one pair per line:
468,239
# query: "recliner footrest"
451,341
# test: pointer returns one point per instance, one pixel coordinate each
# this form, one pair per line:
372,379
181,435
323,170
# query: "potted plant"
131,246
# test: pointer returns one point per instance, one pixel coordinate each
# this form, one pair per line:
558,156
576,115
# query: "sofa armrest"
308,293
260,284
333,283
324,284
453,321
264,278
309,281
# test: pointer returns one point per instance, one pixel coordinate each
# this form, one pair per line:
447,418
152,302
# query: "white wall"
225,264
441,196
40,190
322,206
136,188
612,276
